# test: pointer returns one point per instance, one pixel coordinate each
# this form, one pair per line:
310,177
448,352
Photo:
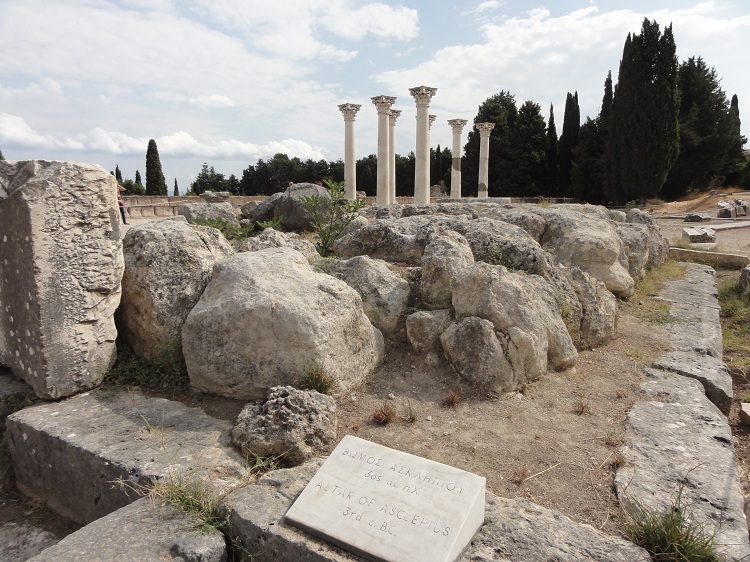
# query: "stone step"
70,455
699,234
143,530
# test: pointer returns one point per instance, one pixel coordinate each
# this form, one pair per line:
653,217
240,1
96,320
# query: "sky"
229,82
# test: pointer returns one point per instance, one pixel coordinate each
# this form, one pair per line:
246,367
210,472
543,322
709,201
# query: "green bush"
330,216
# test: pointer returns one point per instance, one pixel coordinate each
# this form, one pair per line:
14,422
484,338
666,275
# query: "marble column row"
386,170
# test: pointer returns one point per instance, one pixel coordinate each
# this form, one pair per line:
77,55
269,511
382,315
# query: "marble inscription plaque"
390,506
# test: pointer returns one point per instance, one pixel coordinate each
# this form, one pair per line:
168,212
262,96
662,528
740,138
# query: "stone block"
70,455
61,266
699,234
143,530
727,213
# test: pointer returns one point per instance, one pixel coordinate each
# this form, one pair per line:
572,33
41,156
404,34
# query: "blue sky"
230,81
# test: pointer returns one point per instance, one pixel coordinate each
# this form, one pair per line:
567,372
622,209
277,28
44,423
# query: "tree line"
664,129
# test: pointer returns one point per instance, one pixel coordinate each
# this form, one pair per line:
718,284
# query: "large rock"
658,246
423,329
744,281
636,238
61,266
290,426
272,238
598,323
148,529
266,318
680,443
475,351
536,336
445,256
168,264
209,211
290,208
513,530
70,455
385,294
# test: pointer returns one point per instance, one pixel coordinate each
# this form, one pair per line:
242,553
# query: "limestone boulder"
168,264
61,265
290,208
658,245
291,425
480,357
598,323
444,257
635,237
209,211
589,241
264,211
267,317
272,238
424,327
385,294
536,336
248,209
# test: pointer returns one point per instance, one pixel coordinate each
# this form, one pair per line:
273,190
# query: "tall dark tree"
118,174
1,155
138,178
589,174
155,183
208,179
552,169
405,174
737,161
644,131
176,192
529,176
501,110
568,143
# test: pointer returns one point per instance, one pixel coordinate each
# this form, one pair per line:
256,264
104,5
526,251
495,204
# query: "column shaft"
422,96
392,156
457,125
484,151
350,156
383,104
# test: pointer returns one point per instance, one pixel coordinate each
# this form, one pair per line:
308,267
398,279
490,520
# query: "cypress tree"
737,162
138,178
155,183
176,192
118,174
644,135
552,151
1,155
568,142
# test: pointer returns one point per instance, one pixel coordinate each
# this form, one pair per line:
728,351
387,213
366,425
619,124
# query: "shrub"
317,379
165,372
384,415
331,216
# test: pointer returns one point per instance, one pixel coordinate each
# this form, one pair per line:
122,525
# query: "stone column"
484,151
350,157
458,126
395,113
383,103
422,96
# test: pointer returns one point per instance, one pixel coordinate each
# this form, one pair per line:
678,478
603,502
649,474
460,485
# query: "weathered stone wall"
62,263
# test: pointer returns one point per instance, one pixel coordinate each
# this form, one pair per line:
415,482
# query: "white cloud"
212,100
15,131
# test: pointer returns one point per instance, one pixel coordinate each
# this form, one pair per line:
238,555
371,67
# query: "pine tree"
155,183
644,135
568,143
118,174
552,139
176,192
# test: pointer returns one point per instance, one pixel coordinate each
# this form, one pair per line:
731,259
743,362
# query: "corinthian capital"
383,103
485,128
422,94
457,124
349,110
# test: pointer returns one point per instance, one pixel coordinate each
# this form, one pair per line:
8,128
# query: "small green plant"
317,379
330,216
497,256
274,223
194,498
384,415
261,465
671,535
735,322
411,414
230,230
166,372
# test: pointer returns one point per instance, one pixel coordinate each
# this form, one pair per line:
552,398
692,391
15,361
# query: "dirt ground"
557,443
